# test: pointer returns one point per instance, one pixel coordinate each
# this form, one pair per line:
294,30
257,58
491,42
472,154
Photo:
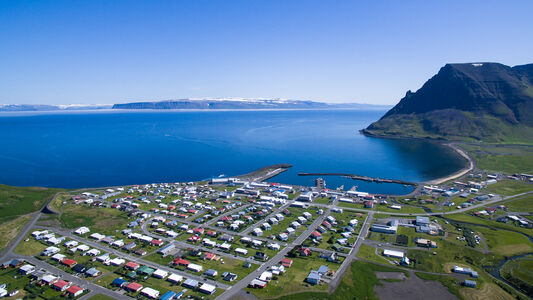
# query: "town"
226,236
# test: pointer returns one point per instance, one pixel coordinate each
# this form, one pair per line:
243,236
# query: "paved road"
229,212
133,258
13,244
184,245
228,294
485,203
353,252
8,254
69,277
205,226
272,214
230,290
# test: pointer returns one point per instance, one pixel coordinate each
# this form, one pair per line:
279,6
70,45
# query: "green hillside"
486,101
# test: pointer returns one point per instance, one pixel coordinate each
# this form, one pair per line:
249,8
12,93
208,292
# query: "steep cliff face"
482,101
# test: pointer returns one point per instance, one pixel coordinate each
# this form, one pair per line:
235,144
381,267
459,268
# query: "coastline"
470,166
467,168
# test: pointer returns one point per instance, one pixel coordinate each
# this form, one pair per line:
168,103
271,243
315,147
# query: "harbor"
360,177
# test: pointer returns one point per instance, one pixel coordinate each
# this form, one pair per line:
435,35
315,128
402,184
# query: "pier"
359,177
265,173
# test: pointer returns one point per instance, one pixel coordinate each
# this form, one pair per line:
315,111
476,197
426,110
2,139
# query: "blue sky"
60,52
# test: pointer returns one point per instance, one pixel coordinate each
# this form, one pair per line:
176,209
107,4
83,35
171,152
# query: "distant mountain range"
472,101
241,103
204,103
44,107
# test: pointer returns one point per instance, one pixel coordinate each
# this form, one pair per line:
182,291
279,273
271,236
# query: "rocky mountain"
471,101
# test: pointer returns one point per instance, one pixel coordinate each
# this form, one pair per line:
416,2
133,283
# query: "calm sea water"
94,149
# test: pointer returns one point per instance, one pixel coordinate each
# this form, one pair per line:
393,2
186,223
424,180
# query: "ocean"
108,148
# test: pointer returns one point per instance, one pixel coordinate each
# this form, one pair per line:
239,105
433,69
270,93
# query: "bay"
107,148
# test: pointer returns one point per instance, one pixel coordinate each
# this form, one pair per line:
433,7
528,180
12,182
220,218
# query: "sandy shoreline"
459,173
470,166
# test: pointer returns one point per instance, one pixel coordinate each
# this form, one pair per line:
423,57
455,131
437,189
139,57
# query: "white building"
161,274
393,253
195,268
150,292
175,278
82,230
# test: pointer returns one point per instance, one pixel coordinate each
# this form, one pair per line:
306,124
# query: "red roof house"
181,262
287,263
75,291
131,266
199,231
134,286
369,204
157,242
316,234
61,285
209,256
68,262
304,251
193,238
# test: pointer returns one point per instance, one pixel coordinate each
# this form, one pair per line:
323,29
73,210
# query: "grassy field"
425,260
369,253
31,247
487,291
15,281
57,203
413,235
523,204
17,201
510,187
10,229
381,237
292,281
505,242
503,158
520,273
159,259
225,264
322,200
102,220
488,222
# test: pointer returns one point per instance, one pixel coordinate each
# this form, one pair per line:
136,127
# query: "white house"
70,244
175,278
150,293
195,268
241,251
161,274
207,288
82,230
